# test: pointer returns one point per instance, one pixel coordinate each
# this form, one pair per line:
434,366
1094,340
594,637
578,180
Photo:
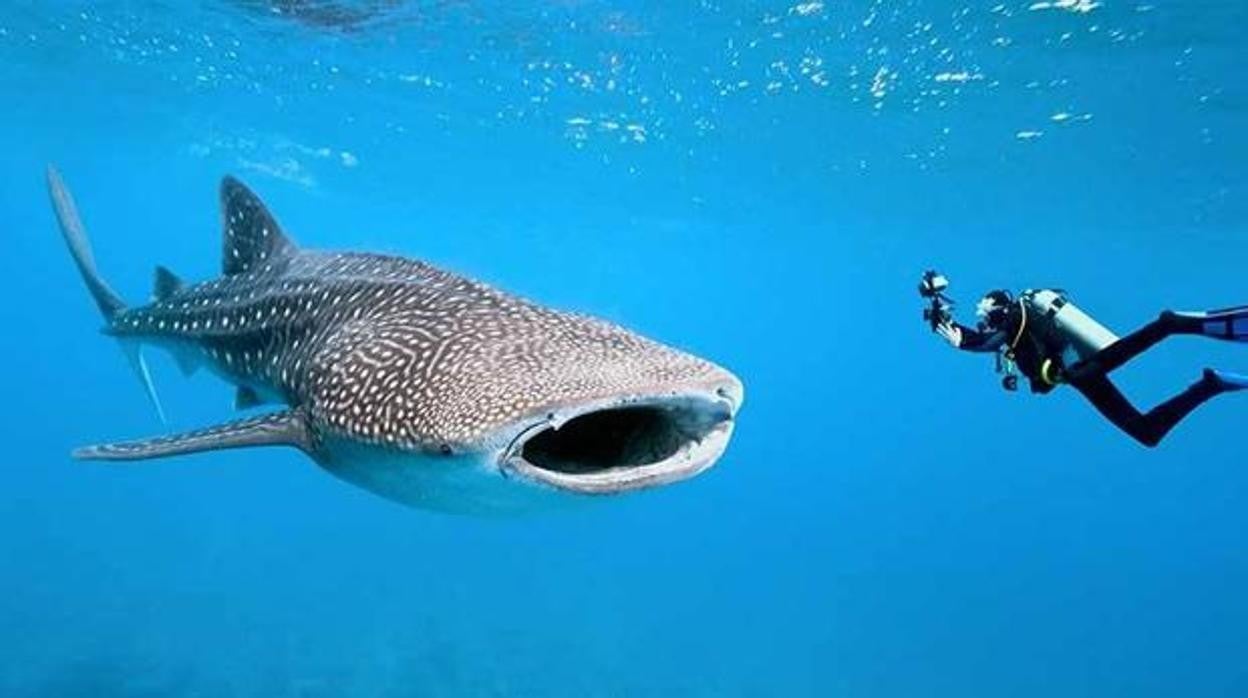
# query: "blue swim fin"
1228,323
1227,381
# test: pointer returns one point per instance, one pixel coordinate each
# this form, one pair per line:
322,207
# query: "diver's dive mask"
993,308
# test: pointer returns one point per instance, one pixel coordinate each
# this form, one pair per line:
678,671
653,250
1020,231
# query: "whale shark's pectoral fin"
287,428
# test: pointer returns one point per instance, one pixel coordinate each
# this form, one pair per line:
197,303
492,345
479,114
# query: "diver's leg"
1149,428
1230,324
1139,341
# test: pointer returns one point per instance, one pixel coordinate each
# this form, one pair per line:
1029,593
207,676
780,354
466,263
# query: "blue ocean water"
757,182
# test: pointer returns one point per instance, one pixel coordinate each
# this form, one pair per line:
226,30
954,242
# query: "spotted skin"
397,352
376,354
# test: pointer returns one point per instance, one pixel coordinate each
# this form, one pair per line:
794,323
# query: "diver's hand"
951,332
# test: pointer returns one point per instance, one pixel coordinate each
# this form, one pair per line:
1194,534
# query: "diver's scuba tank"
1082,336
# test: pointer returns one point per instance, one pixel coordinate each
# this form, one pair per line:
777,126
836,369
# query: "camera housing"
940,308
932,284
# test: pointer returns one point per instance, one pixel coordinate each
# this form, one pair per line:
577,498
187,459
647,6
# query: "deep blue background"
887,522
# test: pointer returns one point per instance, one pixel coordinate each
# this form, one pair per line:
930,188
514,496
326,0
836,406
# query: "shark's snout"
629,441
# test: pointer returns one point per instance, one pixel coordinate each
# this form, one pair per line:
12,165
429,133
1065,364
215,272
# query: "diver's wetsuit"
1041,342
1028,350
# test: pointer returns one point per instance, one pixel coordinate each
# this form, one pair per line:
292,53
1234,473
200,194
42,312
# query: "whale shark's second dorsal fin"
165,284
252,237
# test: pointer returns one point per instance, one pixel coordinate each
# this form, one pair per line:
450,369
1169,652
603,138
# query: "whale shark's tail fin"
105,297
80,248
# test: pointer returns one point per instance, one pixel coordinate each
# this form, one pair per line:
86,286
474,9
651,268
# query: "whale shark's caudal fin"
76,238
252,238
133,351
109,303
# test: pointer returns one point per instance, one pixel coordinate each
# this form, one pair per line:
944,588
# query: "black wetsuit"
1029,351
1040,341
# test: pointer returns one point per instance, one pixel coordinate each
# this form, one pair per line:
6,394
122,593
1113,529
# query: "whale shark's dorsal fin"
286,428
252,236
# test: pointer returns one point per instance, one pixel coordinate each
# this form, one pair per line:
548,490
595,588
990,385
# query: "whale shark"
417,384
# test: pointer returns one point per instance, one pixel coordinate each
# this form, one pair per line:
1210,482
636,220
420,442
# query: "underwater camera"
940,307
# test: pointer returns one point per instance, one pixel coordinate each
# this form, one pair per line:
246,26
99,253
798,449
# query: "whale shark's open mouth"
628,444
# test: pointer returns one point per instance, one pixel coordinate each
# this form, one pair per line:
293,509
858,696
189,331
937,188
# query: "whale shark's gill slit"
623,437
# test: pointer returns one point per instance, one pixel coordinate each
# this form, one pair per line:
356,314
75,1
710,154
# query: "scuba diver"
1043,336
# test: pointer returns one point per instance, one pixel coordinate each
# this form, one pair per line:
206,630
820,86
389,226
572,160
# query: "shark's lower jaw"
625,444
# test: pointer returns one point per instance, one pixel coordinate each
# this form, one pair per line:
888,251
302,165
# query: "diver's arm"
967,339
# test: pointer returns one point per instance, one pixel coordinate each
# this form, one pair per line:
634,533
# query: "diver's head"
993,308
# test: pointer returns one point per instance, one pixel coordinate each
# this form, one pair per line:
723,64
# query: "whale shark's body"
417,384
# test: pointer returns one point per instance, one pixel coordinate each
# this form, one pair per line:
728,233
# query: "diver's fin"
109,303
246,398
252,236
287,428
1227,323
166,284
1226,380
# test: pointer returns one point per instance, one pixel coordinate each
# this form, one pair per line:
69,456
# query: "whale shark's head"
624,428
524,402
